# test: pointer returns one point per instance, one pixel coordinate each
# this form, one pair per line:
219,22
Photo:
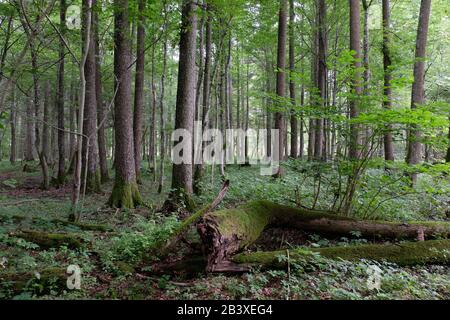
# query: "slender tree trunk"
139,91
182,173
321,78
90,158
414,155
294,122
60,96
387,101
281,77
162,116
102,116
206,97
13,124
125,192
355,134
45,127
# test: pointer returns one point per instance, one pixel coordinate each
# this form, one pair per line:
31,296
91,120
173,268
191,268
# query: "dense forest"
224,149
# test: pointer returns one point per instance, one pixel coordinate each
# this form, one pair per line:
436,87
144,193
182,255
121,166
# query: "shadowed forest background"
91,91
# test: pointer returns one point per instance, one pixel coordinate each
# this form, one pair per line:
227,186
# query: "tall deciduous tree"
387,101
355,46
185,105
125,192
90,158
414,155
60,94
321,77
281,77
139,90
294,122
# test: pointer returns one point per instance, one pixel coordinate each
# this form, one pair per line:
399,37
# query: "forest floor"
113,262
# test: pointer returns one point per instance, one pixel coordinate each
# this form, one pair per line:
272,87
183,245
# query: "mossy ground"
110,258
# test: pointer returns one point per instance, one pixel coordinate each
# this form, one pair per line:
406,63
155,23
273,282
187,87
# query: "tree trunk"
185,105
102,116
60,96
355,134
90,162
321,79
139,91
387,101
206,97
294,122
45,127
125,192
414,155
13,124
162,116
281,79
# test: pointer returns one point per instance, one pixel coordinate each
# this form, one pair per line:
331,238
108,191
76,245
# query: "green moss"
247,221
125,195
50,240
93,181
38,282
403,254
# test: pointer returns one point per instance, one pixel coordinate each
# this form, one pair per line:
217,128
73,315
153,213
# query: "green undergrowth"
111,259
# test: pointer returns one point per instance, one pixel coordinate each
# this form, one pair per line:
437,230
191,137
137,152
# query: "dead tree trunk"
226,232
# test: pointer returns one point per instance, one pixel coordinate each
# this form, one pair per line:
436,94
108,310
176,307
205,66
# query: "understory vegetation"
118,263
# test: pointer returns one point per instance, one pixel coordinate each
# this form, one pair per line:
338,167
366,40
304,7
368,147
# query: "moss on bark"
125,195
93,182
403,254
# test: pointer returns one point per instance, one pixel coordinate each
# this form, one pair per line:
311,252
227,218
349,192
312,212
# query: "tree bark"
60,96
139,91
185,105
294,122
387,101
206,95
90,157
321,79
125,192
281,79
414,155
102,116
355,134
13,124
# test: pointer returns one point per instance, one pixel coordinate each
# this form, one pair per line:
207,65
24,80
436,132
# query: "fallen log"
226,232
50,240
402,254
43,281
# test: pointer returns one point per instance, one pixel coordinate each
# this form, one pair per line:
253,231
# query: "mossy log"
402,254
43,281
50,240
226,232
83,226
